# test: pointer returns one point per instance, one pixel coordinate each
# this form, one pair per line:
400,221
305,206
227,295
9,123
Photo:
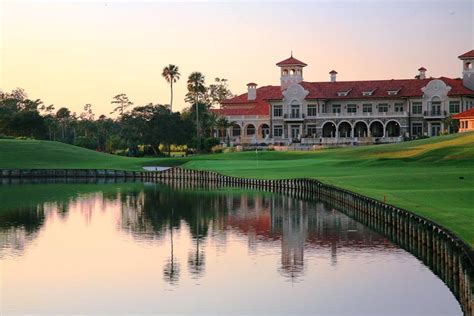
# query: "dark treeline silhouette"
134,130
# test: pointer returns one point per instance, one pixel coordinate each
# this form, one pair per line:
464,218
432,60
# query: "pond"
148,248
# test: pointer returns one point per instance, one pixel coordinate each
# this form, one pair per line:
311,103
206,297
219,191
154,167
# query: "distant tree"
27,123
172,75
122,102
196,89
218,92
63,116
451,125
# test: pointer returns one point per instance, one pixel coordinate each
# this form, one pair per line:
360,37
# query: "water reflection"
194,230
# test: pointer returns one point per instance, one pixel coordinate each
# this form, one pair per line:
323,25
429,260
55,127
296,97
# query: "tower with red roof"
291,71
468,69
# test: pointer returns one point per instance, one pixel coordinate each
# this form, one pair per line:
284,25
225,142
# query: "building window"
344,93
383,107
312,110
367,108
417,129
351,108
235,130
277,111
311,130
278,131
336,108
399,107
454,106
250,130
416,108
295,111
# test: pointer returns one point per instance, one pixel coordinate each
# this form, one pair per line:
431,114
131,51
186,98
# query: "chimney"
422,74
251,91
333,74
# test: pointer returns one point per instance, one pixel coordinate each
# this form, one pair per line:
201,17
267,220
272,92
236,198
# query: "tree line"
148,129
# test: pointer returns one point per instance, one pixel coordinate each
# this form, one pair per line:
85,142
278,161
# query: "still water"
136,248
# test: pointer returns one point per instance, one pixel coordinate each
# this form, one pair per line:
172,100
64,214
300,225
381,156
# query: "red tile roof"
422,69
291,62
239,105
469,54
466,114
406,87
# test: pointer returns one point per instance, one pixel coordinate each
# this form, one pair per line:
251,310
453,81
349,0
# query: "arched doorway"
329,129
236,130
250,130
393,129
344,129
376,129
360,129
264,130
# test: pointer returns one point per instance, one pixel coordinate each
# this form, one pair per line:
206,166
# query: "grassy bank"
34,154
432,177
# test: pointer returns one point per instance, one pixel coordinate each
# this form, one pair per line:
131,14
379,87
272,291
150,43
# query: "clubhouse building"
347,112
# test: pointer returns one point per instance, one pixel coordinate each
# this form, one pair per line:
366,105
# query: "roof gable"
466,114
291,62
469,54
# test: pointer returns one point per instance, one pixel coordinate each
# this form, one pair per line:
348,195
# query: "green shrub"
208,143
217,149
229,150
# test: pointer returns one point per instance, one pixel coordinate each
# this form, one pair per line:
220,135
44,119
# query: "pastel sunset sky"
71,53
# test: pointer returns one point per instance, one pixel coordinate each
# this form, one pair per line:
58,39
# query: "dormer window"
393,91
344,93
368,93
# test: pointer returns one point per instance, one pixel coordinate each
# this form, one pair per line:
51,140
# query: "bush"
229,150
2,136
217,149
208,143
86,142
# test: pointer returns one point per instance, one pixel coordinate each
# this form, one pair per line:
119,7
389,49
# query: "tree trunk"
171,103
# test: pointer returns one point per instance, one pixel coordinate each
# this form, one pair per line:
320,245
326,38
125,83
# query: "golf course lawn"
432,177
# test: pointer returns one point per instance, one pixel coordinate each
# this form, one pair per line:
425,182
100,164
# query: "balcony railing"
436,113
363,114
294,116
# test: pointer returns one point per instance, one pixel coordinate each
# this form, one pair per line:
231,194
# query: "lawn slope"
35,154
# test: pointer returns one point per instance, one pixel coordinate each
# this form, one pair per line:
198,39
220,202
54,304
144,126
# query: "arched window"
250,130
235,130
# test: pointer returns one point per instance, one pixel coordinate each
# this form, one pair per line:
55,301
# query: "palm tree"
171,74
223,124
196,88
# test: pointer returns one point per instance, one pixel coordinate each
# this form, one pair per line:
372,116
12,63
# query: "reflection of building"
290,220
346,111
299,224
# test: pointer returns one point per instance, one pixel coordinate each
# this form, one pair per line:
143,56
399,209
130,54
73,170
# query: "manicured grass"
34,154
422,176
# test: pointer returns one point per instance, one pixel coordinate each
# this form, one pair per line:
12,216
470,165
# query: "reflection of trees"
18,225
171,269
196,259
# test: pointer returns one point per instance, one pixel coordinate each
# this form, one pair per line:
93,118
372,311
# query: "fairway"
431,177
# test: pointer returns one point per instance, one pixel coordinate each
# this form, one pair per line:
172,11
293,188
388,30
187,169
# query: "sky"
70,53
